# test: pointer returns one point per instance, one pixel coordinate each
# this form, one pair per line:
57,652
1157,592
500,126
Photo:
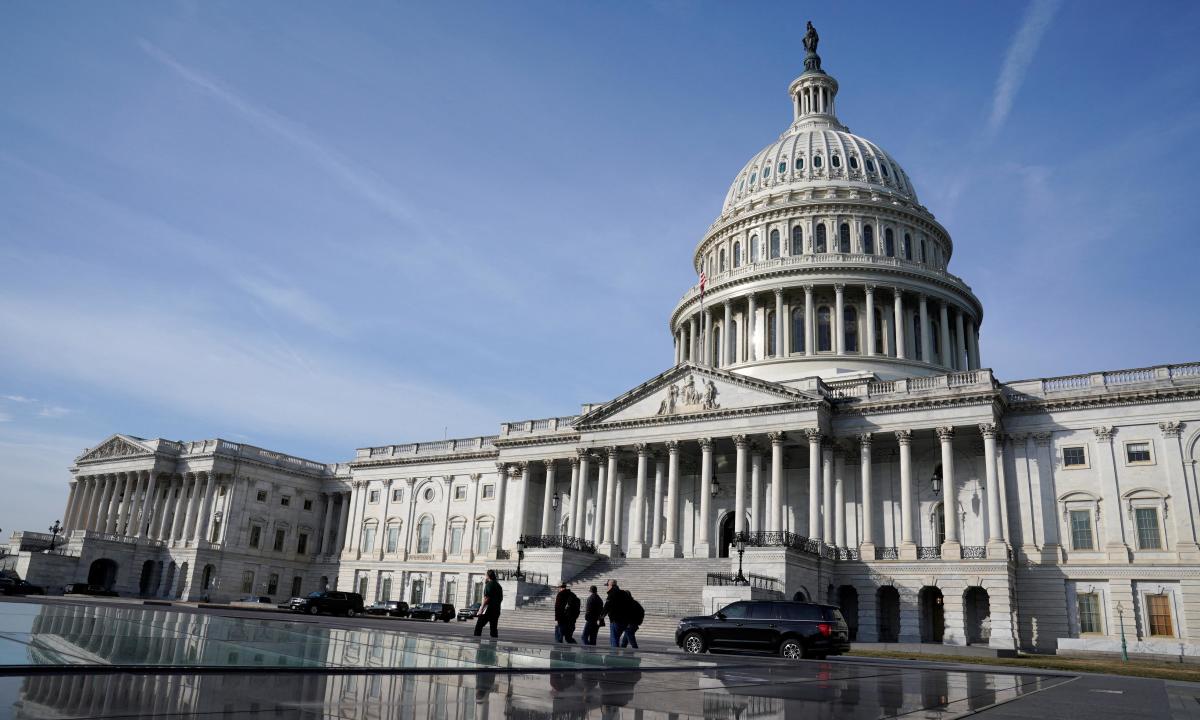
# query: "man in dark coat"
617,610
489,610
566,612
593,616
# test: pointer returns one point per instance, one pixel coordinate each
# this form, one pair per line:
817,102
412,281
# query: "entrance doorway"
725,535
418,592
103,572
933,621
977,616
887,602
847,600
147,577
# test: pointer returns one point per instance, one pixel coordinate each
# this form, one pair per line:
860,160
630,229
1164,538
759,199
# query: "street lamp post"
1121,620
55,529
741,549
520,556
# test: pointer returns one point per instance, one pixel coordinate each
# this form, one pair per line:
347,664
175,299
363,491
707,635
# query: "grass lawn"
1136,668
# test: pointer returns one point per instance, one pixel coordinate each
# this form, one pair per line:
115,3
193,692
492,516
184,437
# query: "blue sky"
314,227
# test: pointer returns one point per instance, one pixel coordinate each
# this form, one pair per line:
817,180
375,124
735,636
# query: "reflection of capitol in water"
147,663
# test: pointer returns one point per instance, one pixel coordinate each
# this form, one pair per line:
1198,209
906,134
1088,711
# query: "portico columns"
129,482
1185,505
704,489
101,523
926,343
579,521
870,299
72,502
756,489
899,351
810,323
519,472
343,522
742,443
944,330
693,340
727,346
960,343
660,488
610,501
780,347
776,508
193,508
814,483
548,500
601,502
866,548
210,495
637,532
827,491
327,527
498,527
83,511
839,319
751,317
972,346
908,548
670,548
164,505
135,510
951,548
180,506
995,545
839,499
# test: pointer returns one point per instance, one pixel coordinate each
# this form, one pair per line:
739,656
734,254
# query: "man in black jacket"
617,610
593,616
566,612
489,611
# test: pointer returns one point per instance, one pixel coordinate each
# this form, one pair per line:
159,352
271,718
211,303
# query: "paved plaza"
76,659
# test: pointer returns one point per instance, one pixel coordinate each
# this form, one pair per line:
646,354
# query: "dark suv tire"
792,649
694,644
314,610
350,612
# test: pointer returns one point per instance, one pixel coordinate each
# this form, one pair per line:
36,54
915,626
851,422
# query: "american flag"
703,282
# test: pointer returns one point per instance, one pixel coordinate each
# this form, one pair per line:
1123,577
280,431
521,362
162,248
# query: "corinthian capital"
945,433
864,440
904,437
777,437
1170,429
706,444
741,441
1104,433
988,430
813,435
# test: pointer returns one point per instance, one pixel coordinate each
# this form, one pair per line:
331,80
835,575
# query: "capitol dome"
824,263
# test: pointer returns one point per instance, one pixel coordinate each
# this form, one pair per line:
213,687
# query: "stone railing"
566,542
537,427
973,552
1166,375
529,576
929,552
437,447
975,379
762,582
887,553
256,454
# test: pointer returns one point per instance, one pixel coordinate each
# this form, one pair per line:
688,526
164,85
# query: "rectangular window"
1081,530
302,544
1158,610
456,536
272,583
308,504
285,500
368,539
393,538
216,530
1147,529
255,535
261,496
373,496
1137,452
297,581
247,581
489,492
1089,613
460,492
279,537
1074,456
397,494
484,540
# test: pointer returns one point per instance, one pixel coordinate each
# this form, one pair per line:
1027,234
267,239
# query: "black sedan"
14,586
87,589
468,612
389,608
433,611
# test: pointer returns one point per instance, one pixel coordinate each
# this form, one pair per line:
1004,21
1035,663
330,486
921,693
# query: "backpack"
572,608
637,613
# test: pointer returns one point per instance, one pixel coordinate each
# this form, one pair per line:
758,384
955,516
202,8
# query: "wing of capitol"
827,414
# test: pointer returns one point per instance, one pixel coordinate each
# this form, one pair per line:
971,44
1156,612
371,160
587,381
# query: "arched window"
766,172
733,341
716,346
773,246
879,332
938,519
367,543
882,168
870,165
753,248
799,163
824,333
889,243
835,160
754,177
917,336
844,238
853,162
424,534
798,329
850,319
722,260
922,249
868,240
797,240
783,166
816,161
737,254
819,243
771,333
907,246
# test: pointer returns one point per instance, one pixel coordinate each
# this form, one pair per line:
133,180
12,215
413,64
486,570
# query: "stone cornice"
1146,396
536,440
426,459
857,407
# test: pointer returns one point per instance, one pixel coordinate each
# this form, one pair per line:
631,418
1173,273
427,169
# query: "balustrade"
566,542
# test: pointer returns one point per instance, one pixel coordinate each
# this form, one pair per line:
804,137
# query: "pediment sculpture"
116,447
687,397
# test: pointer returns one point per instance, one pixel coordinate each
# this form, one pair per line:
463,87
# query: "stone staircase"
668,588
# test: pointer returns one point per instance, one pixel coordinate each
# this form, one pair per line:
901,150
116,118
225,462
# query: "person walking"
616,607
489,609
637,615
593,616
566,612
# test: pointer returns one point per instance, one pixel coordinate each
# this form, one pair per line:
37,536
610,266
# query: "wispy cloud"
362,181
54,411
5,417
1018,59
293,302
18,398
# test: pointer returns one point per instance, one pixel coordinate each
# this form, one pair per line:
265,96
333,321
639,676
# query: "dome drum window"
819,241
844,239
853,162
753,249
782,166
835,161
737,254
868,240
773,248
797,240
816,161
870,165
799,163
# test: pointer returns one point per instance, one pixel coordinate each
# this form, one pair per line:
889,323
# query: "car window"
736,610
803,611
762,611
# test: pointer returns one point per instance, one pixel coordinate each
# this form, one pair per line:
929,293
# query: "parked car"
468,612
329,601
88,589
260,599
390,608
433,611
791,629
16,586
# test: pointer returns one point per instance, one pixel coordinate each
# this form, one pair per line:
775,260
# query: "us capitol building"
827,406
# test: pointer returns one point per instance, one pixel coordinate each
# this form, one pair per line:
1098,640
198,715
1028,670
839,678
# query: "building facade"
827,404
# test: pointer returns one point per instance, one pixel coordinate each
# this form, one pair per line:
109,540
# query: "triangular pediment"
687,391
115,447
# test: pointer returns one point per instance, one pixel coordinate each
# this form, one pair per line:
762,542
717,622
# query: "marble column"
327,525
343,522
102,511
548,500
86,489
164,504
756,489
637,532
839,499
206,509
776,509
704,489
951,548
900,351
193,507
944,331
727,346
996,547
180,510
908,548
827,491
72,503
126,482
810,323
693,341
502,475
973,346
670,548
742,444
1115,545
870,301
751,319
618,514
1182,494
572,515
925,339
839,319
601,504
960,342
518,479
581,501
780,348
112,514
866,548
133,529
814,483
660,481
610,505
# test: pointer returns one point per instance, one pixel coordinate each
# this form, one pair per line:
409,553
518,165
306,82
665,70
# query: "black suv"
15,586
432,611
87,589
391,608
792,629
329,601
